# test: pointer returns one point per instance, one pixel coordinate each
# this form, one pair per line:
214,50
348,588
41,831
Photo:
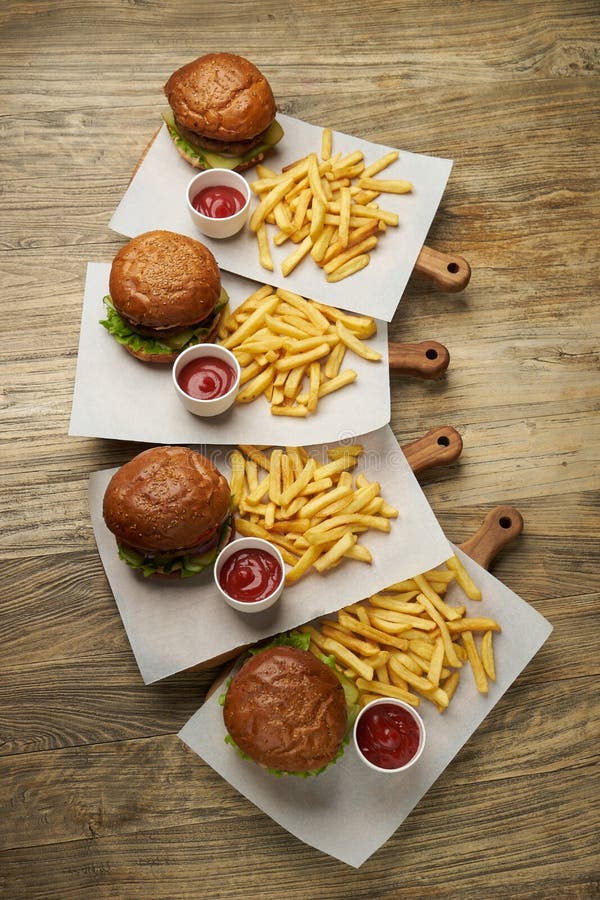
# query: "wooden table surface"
99,798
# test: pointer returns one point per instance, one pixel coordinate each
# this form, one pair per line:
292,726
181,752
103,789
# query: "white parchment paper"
156,198
349,811
117,396
174,625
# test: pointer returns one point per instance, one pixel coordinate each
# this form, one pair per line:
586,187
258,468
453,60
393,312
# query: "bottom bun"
160,358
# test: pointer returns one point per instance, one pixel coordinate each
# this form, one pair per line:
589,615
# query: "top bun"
162,279
221,96
165,499
286,710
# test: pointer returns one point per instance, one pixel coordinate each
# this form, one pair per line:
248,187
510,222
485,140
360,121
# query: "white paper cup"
215,227
418,721
246,543
206,407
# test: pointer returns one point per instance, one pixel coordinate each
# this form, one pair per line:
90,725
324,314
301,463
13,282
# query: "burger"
165,295
287,710
222,112
170,511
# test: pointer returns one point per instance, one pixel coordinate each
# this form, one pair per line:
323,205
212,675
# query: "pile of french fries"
281,340
407,642
326,207
312,511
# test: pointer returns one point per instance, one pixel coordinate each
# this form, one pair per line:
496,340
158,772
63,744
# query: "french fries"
291,350
413,641
313,512
321,203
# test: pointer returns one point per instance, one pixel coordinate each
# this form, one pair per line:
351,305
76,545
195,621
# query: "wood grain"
99,797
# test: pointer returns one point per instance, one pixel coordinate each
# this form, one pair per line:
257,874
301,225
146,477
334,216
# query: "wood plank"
74,686
191,849
99,796
135,798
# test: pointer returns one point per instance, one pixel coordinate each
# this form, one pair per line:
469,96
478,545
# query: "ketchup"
387,735
206,378
218,201
250,575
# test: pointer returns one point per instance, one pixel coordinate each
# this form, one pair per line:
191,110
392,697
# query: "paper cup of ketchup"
389,735
218,201
206,378
250,574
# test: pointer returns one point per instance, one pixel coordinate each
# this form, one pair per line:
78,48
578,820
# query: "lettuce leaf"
124,334
286,639
208,159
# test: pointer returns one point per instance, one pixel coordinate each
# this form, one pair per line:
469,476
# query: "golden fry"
301,506
321,244
349,658
335,553
487,655
252,323
349,268
387,690
387,186
291,261
368,631
344,226
463,578
319,200
256,386
480,624
268,203
446,611
475,662
302,565
435,665
238,469
290,332
382,163
360,249
365,648
297,412
302,359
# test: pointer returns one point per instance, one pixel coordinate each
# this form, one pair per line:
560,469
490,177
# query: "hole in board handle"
431,353
453,267
505,522
444,440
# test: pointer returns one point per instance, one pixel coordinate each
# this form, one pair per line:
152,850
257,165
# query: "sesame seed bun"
164,280
221,96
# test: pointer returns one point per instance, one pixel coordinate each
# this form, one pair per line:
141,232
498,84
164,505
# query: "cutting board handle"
438,447
499,527
427,359
448,271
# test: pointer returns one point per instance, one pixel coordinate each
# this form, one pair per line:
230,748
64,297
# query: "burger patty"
158,333
225,148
